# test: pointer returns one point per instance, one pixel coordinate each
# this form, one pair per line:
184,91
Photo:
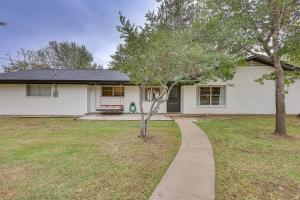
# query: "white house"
78,92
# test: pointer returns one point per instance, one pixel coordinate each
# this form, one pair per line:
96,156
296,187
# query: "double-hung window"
42,90
109,91
150,93
211,95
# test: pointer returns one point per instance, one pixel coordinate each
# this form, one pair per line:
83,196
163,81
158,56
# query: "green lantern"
132,107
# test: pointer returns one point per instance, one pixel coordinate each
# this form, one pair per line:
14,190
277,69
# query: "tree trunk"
144,124
153,108
280,129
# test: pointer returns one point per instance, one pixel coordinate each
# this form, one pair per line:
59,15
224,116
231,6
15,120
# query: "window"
150,93
212,95
109,91
38,90
118,91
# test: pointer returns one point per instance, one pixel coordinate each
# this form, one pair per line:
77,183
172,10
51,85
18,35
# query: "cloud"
31,24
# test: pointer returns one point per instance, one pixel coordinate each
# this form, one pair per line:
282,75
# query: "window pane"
213,95
204,95
155,92
45,90
148,94
215,99
223,96
33,90
38,90
118,91
107,91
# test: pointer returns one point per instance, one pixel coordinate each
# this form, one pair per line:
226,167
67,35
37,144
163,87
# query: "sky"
32,23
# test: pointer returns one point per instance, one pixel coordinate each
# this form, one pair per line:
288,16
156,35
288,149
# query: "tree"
165,57
25,59
266,27
174,14
59,55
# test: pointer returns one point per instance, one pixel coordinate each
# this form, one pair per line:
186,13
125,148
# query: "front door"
173,104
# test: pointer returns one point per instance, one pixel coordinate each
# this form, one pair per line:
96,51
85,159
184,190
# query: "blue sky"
32,23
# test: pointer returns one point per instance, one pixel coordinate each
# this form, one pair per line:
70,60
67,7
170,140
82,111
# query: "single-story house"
78,92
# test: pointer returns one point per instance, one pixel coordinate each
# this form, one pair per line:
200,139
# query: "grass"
251,163
66,159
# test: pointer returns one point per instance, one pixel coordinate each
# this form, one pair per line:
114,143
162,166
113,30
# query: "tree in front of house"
59,55
270,28
174,14
162,56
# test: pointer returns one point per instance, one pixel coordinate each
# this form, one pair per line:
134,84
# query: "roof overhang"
264,60
87,82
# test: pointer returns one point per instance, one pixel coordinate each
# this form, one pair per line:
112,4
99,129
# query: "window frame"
152,94
198,90
113,91
28,93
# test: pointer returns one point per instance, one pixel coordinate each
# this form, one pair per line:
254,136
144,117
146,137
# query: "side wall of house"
293,99
71,100
243,95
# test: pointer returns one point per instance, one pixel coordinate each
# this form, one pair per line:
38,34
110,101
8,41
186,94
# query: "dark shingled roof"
65,75
264,60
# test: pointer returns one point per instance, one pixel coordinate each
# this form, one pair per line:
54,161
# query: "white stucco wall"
245,96
293,99
131,94
71,100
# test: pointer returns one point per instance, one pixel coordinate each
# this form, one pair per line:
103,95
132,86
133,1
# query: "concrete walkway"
191,175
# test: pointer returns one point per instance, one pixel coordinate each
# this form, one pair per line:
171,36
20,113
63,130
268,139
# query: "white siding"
71,100
244,95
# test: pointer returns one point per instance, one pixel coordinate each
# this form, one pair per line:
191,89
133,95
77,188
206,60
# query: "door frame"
179,100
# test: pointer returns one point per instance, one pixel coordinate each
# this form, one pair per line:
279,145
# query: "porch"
122,117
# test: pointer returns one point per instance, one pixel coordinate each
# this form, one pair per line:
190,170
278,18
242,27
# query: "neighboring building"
77,92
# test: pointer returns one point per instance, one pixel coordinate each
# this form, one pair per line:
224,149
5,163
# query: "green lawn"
250,162
51,158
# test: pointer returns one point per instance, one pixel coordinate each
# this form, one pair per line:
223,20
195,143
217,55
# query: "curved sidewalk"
191,175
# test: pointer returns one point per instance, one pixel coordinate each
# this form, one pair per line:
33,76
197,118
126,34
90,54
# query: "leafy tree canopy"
59,55
174,14
248,26
162,55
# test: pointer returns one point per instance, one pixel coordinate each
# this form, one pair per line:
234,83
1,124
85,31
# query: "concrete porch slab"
122,117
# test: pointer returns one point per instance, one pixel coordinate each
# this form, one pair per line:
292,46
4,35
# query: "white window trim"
210,106
151,92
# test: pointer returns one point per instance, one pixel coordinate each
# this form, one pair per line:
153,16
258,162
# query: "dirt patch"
290,191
